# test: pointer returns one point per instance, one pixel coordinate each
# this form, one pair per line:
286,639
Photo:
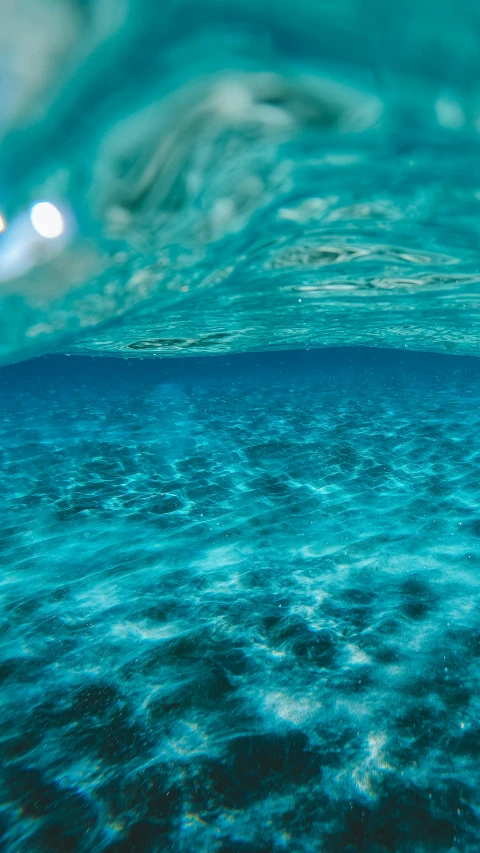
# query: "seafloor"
240,604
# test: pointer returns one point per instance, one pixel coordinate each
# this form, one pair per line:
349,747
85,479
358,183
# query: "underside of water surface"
239,426
239,177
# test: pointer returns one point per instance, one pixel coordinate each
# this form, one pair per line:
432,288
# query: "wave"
176,182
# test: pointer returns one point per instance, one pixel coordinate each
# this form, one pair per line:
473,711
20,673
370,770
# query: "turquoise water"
240,603
239,426
239,177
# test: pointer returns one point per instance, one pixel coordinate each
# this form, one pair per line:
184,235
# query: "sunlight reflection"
47,220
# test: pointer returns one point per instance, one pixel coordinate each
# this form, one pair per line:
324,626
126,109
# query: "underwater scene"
239,426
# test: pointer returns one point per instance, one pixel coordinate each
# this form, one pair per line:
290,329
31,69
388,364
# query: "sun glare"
47,220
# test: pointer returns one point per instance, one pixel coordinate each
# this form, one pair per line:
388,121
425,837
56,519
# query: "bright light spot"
3,224
47,220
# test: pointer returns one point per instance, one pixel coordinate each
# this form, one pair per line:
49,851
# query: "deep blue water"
240,603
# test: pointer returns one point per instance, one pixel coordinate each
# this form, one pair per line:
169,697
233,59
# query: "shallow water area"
239,426
240,603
